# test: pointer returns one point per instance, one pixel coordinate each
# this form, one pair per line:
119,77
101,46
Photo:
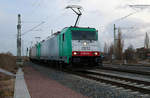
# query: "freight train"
70,46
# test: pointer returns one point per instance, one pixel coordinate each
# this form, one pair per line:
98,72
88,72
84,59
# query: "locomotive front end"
85,47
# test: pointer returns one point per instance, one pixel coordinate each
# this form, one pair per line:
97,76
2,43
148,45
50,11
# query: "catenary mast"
19,39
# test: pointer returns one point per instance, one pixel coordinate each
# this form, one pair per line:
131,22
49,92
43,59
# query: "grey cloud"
130,35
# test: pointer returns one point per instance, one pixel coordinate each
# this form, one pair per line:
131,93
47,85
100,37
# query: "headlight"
75,53
84,43
96,53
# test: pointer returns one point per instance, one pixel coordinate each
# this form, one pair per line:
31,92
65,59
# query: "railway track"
146,73
131,83
129,65
119,81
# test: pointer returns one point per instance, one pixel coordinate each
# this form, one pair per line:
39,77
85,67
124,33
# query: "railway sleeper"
122,78
126,86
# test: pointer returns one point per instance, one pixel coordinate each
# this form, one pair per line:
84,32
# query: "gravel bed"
88,87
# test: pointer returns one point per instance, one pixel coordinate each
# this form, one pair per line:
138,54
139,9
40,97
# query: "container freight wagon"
73,45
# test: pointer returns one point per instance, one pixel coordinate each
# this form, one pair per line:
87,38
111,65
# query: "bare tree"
130,53
110,49
146,43
120,44
105,48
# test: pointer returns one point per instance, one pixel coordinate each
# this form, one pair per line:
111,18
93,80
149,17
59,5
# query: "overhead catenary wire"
32,28
127,16
30,22
130,14
140,6
135,7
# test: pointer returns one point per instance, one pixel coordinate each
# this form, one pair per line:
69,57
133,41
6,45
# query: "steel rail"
128,79
146,73
125,85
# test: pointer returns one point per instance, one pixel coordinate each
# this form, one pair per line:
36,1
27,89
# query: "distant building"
143,53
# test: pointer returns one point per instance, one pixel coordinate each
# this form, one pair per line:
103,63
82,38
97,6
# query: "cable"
30,21
32,28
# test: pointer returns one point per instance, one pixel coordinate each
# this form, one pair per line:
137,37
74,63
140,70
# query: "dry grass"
7,88
7,62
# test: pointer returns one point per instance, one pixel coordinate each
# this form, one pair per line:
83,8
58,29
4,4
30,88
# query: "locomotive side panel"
65,47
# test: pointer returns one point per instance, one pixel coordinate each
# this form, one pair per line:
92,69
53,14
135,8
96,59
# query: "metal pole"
19,38
27,52
114,40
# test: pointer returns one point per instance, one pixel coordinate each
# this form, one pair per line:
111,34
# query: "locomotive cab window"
83,35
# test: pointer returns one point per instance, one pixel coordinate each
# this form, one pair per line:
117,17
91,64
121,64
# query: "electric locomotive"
73,45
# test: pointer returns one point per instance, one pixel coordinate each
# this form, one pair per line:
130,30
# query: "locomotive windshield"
83,35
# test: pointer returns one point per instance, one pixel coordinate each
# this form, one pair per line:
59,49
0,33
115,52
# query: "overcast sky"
100,14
